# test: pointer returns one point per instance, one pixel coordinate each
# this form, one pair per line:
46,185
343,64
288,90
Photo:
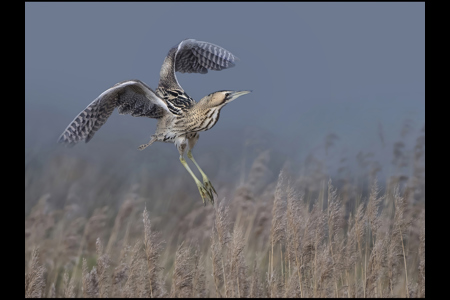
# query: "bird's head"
221,98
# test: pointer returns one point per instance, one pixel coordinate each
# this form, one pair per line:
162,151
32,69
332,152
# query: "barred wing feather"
198,57
129,97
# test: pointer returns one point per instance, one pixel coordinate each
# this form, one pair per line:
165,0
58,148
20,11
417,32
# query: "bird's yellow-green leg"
203,192
206,181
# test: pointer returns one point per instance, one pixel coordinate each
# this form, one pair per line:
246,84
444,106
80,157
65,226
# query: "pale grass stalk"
404,260
365,269
125,210
34,279
182,273
402,225
250,226
315,270
102,267
153,247
238,288
289,267
350,253
400,207
60,233
52,291
238,267
120,272
374,224
222,225
68,291
125,240
299,276
348,284
215,276
84,279
294,209
334,218
282,266
359,227
278,216
224,279
95,221
254,285
287,276
199,280
318,223
238,219
130,288
269,264
271,260
421,280
215,253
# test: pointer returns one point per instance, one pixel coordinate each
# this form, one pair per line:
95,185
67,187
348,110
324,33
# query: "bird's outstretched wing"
197,57
130,97
191,56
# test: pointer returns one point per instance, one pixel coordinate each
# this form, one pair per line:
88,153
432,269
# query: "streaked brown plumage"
180,118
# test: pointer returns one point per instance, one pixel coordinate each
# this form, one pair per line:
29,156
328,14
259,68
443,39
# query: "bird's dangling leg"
203,192
206,182
181,144
152,140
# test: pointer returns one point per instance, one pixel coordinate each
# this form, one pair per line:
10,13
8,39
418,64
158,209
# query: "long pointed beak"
237,94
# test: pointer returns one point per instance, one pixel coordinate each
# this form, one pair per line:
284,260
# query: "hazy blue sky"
314,68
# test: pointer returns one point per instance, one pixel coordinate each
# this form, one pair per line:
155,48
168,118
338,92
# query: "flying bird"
180,118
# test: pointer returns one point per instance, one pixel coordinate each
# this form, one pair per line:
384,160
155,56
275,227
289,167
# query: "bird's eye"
227,95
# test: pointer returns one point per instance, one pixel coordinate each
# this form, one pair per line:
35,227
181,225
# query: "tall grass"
302,235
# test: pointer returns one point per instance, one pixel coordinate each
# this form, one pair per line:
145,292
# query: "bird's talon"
209,187
214,190
204,193
211,197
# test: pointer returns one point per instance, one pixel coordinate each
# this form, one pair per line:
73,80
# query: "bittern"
180,118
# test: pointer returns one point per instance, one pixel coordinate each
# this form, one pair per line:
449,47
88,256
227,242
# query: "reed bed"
300,235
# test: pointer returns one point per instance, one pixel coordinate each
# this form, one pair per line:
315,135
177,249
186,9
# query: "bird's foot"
205,193
142,147
208,185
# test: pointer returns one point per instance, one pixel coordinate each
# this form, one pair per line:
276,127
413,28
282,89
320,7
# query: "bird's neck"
204,105
202,118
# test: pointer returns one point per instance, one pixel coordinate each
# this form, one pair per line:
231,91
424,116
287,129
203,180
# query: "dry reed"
293,237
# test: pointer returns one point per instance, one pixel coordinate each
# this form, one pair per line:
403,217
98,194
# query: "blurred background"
338,94
343,83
